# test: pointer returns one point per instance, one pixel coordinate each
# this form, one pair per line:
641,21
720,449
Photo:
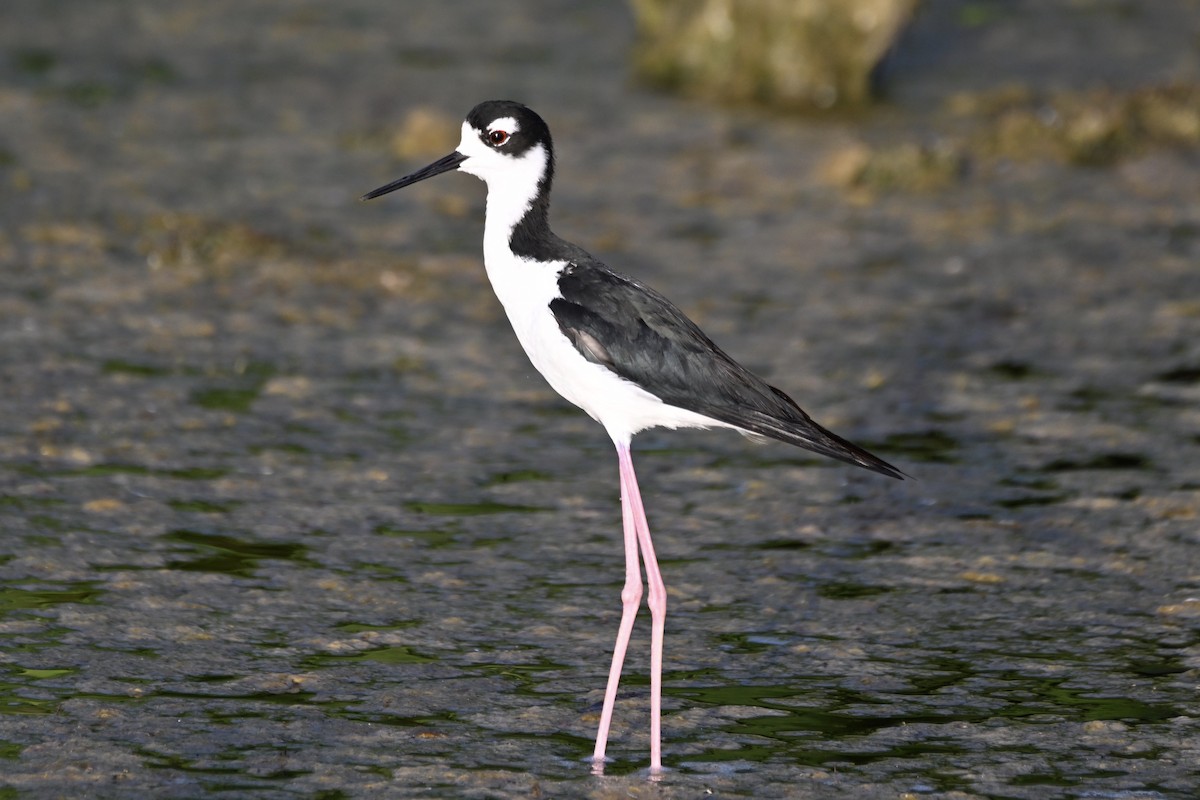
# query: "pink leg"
637,535
631,597
657,601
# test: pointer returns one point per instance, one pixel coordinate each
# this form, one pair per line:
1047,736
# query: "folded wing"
639,335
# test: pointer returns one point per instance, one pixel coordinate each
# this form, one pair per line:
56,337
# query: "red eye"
498,138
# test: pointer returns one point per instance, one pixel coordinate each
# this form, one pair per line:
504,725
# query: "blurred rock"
425,132
1097,127
909,166
794,54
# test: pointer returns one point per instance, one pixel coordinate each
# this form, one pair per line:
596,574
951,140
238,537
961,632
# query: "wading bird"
616,348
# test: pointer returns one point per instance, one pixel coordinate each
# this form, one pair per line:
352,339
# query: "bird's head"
504,144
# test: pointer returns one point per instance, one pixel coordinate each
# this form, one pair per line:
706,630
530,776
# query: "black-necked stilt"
615,348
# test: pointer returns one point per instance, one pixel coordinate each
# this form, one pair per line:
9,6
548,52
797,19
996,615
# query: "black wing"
638,334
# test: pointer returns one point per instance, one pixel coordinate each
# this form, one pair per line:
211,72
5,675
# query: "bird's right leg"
631,598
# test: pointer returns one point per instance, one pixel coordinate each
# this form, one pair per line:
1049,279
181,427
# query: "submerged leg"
631,597
656,600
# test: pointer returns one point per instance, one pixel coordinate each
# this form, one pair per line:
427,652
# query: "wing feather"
640,335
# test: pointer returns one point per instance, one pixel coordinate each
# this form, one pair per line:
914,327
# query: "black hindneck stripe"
531,236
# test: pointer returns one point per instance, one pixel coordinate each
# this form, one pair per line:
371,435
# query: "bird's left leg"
656,599
631,598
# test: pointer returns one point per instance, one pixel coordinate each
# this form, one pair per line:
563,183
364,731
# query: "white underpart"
525,288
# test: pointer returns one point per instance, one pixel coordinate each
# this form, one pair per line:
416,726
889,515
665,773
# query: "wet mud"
284,511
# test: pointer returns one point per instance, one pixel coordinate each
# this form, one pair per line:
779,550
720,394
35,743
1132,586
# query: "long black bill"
436,168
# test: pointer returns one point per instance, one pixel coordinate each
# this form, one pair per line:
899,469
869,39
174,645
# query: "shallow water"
285,511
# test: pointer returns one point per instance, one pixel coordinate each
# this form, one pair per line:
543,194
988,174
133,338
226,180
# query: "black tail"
812,436
790,424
